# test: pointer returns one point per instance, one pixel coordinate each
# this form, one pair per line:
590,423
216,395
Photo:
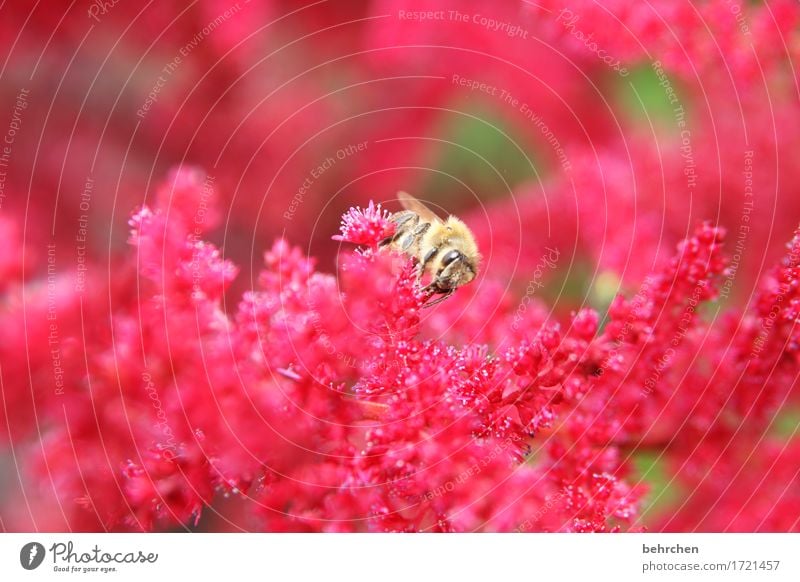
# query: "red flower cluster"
326,403
613,367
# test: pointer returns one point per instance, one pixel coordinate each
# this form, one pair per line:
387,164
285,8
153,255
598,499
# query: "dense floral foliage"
626,360
335,404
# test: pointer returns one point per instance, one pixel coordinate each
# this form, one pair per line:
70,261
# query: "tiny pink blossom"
367,226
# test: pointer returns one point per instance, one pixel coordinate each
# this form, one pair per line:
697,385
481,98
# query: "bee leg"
421,265
446,294
428,257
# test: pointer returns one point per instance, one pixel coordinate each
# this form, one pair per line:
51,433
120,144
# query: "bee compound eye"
450,257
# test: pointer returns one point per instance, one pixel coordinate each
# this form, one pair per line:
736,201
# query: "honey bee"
445,249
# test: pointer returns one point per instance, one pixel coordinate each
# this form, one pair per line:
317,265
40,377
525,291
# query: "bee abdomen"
403,221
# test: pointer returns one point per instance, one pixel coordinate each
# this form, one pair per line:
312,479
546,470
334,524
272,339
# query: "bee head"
454,270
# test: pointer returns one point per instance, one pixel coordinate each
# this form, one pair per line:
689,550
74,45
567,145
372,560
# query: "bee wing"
410,203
